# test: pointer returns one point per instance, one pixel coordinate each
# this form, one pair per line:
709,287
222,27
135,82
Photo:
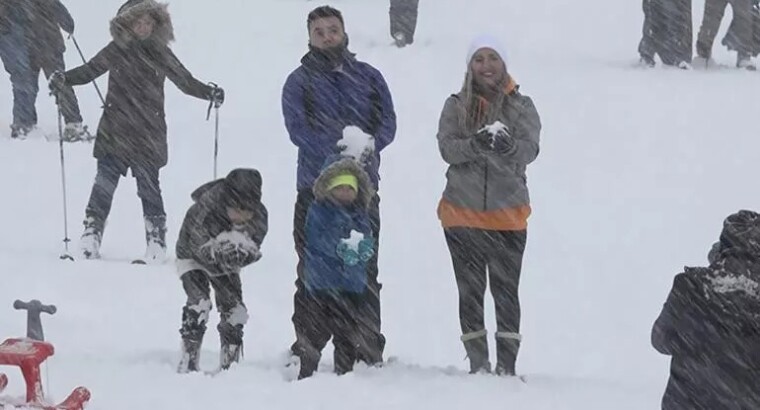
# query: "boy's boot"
308,357
191,352
230,354
231,336
155,238
507,346
194,319
92,236
476,345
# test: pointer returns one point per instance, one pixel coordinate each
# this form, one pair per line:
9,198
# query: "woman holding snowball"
488,133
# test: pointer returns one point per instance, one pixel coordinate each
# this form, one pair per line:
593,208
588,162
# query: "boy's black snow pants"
667,31
228,293
403,15
479,256
49,63
302,304
340,315
109,171
741,26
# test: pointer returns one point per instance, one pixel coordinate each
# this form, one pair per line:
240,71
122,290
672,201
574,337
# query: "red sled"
28,355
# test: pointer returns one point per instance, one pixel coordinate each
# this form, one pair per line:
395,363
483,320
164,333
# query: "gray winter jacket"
206,220
488,181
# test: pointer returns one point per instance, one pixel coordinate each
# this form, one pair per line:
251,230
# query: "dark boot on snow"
476,345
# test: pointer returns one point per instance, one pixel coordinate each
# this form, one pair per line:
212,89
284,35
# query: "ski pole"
215,104
66,240
84,61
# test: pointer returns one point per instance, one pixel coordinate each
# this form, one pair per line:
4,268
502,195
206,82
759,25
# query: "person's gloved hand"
482,141
349,256
216,96
366,249
232,256
57,82
503,141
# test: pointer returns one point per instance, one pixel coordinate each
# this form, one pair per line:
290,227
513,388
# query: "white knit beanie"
486,41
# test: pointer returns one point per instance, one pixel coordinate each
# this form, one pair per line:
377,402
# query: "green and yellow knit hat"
344,179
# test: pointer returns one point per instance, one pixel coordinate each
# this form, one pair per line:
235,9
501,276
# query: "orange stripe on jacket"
508,219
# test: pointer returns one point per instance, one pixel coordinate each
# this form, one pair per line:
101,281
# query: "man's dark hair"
324,12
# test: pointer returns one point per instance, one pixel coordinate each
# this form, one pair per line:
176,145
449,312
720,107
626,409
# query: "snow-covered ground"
636,172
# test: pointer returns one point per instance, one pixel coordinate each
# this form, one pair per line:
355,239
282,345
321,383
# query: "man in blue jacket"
330,91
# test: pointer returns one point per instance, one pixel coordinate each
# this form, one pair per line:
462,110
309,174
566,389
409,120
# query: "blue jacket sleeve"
321,240
294,112
387,130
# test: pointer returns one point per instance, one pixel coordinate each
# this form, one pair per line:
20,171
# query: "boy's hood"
336,165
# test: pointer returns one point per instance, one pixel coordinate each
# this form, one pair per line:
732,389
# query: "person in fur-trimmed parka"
488,134
710,325
339,246
132,131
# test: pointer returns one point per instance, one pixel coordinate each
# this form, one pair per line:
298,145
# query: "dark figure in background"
403,15
667,32
132,130
46,48
710,325
741,39
732,37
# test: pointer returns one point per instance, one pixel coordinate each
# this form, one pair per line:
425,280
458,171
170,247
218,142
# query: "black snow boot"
507,346
92,236
476,345
191,351
155,239
230,354
193,328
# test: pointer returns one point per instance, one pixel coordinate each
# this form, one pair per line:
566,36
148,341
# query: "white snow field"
637,170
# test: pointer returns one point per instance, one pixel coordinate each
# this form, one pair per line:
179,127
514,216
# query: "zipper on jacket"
485,188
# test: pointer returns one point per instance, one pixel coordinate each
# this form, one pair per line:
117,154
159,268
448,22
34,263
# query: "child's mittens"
366,249
347,254
234,256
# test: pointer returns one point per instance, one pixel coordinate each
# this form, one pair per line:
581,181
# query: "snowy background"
637,170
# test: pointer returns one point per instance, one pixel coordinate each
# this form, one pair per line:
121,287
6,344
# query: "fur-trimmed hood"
336,165
163,32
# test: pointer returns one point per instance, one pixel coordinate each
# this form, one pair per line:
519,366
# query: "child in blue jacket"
338,246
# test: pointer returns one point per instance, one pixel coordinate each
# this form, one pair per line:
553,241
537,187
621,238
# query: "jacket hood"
336,165
120,27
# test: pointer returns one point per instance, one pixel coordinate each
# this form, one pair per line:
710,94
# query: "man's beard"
332,55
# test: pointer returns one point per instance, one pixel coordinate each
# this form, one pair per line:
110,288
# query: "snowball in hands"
355,248
234,249
356,143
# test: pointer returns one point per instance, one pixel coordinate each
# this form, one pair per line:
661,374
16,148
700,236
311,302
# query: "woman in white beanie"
488,133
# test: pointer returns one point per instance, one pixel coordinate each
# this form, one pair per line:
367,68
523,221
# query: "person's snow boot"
507,346
191,352
89,244
19,131
647,61
155,238
75,131
476,346
744,62
230,354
